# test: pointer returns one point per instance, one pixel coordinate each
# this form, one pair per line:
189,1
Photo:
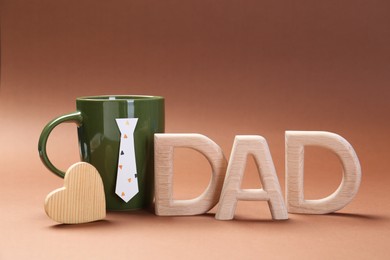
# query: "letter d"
295,143
164,145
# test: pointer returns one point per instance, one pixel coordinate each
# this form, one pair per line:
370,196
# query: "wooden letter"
231,193
295,143
164,145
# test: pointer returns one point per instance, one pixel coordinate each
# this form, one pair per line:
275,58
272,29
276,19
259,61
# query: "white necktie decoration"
126,180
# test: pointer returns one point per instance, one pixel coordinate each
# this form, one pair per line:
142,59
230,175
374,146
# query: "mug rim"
113,98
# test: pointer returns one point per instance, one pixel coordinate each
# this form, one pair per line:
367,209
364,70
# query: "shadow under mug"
99,140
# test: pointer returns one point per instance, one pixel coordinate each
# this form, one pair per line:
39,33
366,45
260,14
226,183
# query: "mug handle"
75,117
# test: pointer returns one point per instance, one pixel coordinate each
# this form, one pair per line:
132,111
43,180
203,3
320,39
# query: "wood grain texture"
81,199
164,145
295,143
257,146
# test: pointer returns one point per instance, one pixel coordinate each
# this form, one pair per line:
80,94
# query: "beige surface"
225,68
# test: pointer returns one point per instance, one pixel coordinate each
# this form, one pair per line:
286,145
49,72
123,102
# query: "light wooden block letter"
164,145
295,143
232,192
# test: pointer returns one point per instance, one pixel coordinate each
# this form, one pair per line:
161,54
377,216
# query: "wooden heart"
81,200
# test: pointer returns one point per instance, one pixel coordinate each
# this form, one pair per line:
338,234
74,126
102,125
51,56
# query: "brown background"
225,68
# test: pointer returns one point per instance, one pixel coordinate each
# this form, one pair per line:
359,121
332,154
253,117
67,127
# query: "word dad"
227,191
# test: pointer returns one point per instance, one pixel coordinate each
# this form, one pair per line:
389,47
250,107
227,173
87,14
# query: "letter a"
295,143
231,192
164,145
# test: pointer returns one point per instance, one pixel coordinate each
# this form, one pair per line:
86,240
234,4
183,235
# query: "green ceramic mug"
102,143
